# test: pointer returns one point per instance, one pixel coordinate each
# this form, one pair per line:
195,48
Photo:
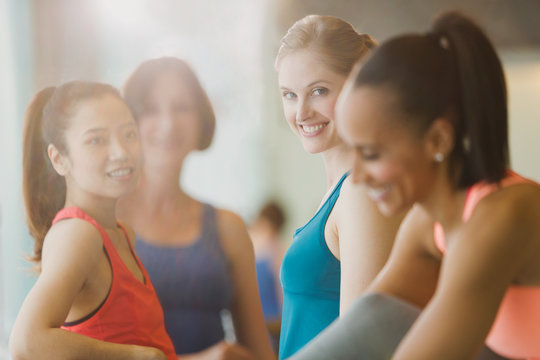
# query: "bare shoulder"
512,216
355,207
520,201
233,233
354,197
72,242
229,221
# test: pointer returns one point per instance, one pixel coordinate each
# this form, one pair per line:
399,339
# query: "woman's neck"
445,204
101,209
337,161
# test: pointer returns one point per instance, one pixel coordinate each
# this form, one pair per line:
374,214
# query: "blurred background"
231,45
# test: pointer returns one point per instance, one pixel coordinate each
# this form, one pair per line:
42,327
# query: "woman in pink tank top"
92,299
427,116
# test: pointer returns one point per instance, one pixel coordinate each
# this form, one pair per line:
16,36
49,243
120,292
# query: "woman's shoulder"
229,222
512,206
74,239
354,204
232,232
354,196
74,230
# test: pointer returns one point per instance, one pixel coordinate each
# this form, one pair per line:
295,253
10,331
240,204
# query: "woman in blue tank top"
340,250
199,258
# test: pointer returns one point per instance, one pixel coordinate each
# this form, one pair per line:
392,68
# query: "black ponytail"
451,71
483,138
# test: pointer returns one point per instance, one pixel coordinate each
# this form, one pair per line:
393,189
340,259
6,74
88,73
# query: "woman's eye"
97,140
131,135
319,91
370,156
288,95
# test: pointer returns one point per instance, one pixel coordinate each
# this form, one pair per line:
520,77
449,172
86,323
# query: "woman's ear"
440,139
58,161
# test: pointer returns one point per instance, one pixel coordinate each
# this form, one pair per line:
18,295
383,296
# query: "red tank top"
516,330
131,313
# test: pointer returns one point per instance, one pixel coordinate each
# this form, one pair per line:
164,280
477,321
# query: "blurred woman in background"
265,232
200,258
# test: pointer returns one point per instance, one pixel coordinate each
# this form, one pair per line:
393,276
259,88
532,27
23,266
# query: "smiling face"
103,154
170,123
391,160
309,92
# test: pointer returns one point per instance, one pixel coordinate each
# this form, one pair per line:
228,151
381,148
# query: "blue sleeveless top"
193,284
311,277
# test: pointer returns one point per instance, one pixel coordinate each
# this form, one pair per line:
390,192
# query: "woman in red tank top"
93,298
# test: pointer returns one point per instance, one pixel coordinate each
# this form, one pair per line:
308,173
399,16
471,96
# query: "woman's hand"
147,353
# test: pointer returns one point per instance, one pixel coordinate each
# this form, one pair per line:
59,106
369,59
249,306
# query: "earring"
439,157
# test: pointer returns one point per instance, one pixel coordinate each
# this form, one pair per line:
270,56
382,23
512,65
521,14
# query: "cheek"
327,107
387,171
289,112
145,127
330,109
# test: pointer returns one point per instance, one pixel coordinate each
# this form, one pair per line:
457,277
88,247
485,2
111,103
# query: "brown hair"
453,69
47,118
137,85
335,40
274,214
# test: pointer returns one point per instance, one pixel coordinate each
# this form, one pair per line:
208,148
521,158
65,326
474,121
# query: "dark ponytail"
43,189
482,89
451,71
47,118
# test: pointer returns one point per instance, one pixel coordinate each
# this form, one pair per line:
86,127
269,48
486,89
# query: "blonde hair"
338,44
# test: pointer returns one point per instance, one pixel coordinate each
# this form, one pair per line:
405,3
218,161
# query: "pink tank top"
131,313
516,330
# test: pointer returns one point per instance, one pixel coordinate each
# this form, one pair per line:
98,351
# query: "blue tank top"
311,277
193,284
267,288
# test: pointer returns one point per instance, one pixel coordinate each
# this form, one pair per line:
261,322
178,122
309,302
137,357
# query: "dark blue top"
193,284
311,277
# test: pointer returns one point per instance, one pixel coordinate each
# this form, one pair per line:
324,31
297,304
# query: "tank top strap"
78,213
332,198
475,193
209,228
478,191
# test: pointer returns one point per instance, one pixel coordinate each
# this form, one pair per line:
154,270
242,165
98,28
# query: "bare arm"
246,308
482,261
365,241
71,252
411,273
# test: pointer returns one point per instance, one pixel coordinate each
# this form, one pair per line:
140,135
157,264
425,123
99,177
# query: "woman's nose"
303,111
117,150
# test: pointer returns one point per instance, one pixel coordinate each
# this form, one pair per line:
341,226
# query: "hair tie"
444,42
